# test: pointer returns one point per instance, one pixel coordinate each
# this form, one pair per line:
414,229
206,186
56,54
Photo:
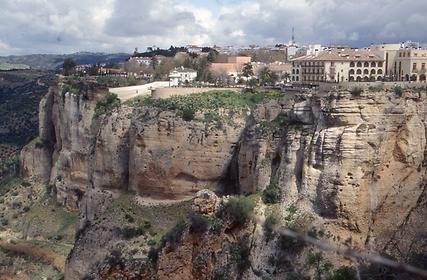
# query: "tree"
267,77
247,70
68,66
213,54
316,261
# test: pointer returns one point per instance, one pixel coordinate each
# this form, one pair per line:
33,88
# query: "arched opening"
380,72
366,72
422,78
372,78
297,71
366,64
359,79
359,72
351,79
373,64
293,71
373,72
352,64
379,78
351,72
359,64
414,78
366,79
406,77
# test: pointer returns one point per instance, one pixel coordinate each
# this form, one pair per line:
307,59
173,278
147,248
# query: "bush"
215,225
398,91
290,244
153,254
105,106
356,92
343,273
240,253
239,210
188,114
131,232
270,226
272,194
198,223
174,235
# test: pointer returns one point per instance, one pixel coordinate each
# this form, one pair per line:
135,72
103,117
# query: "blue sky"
64,26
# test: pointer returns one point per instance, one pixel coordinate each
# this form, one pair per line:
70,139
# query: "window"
359,64
366,64
380,64
400,54
414,66
423,66
352,64
415,54
373,64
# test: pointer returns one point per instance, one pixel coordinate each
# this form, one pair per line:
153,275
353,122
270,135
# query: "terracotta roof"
342,54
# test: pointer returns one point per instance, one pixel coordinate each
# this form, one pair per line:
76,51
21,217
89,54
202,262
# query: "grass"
48,219
161,218
208,103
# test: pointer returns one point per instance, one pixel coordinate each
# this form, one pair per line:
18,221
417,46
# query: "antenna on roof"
293,36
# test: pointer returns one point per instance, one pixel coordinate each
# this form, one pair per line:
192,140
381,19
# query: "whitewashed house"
181,76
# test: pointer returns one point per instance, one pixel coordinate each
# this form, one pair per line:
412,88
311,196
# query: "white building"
338,65
181,76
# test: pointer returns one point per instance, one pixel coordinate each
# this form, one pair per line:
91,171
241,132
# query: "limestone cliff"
145,150
353,166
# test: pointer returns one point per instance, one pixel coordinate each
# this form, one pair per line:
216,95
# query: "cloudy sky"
65,26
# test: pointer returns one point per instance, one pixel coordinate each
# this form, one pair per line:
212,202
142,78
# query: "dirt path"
37,252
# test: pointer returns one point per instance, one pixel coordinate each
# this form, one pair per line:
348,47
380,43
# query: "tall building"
403,62
338,65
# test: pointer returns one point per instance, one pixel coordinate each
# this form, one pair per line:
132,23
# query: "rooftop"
342,54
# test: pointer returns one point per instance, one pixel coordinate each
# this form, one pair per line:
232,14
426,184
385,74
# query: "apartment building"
338,65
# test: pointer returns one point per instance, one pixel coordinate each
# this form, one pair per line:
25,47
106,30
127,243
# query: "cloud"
62,26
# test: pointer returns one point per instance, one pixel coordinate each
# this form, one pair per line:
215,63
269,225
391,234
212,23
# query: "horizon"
65,27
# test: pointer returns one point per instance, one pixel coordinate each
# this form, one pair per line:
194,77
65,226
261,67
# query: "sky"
64,26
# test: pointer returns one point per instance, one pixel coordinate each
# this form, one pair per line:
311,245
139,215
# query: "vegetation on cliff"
209,103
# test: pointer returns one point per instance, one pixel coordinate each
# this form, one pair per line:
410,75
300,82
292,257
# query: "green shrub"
188,114
153,254
321,266
290,244
105,106
272,194
215,225
174,235
356,91
240,253
398,91
343,273
198,223
131,232
270,226
378,88
239,210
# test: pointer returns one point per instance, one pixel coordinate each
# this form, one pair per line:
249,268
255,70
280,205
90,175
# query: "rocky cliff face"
357,164
145,150
353,166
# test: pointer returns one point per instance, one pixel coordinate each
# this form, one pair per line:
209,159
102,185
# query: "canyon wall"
355,166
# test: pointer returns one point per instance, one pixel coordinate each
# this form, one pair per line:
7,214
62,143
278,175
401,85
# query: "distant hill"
8,67
54,61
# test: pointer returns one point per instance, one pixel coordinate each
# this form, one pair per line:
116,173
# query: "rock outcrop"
145,150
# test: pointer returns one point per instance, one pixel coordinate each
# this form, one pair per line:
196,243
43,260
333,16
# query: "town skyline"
31,27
